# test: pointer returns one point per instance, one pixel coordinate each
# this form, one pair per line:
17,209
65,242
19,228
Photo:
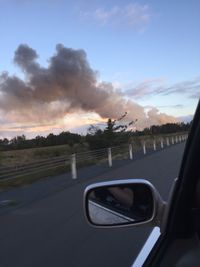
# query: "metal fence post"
144,147
73,166
154,145
130,151
109,157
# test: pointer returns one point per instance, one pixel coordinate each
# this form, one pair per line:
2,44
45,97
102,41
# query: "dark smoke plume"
67,85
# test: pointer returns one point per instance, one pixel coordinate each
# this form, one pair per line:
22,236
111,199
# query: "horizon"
84,130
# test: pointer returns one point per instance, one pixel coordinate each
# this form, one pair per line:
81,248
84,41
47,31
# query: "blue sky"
136,45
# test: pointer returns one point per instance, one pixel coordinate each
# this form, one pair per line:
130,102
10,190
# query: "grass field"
25,156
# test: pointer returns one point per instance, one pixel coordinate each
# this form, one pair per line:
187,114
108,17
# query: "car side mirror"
122,202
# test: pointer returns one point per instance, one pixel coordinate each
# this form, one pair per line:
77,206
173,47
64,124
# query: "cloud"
179,106
72,122
134,15
146,88
191,88
67,86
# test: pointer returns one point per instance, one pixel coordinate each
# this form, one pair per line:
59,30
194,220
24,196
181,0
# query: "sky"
67,64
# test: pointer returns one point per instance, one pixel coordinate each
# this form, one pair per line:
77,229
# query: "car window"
90,91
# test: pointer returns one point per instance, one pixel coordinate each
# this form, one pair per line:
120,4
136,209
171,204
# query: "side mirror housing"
122,203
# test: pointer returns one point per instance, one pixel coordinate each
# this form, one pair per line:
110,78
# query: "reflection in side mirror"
119,203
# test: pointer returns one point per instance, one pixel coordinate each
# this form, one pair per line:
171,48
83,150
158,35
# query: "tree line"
113,134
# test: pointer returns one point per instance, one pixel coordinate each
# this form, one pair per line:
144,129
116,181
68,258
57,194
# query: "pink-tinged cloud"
67,86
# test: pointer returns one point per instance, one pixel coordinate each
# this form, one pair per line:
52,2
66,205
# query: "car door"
178,244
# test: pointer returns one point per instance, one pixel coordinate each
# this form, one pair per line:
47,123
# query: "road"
52,231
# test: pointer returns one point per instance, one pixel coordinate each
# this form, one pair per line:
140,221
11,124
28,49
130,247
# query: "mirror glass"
119,204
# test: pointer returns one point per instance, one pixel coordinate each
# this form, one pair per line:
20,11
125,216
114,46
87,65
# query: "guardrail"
33,168
75,161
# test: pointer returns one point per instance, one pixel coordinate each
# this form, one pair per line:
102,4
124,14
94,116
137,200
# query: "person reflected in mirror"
135,201
132,201
112,196
142,205
123,195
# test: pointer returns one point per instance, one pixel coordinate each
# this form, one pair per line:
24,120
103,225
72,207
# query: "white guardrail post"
73,166
154,145
144,147
172,140
167,141
130,151
161,143
109,157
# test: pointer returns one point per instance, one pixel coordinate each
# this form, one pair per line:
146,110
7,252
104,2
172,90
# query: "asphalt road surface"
52,231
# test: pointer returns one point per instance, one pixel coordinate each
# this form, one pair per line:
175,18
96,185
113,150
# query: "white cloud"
136,16
190,88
